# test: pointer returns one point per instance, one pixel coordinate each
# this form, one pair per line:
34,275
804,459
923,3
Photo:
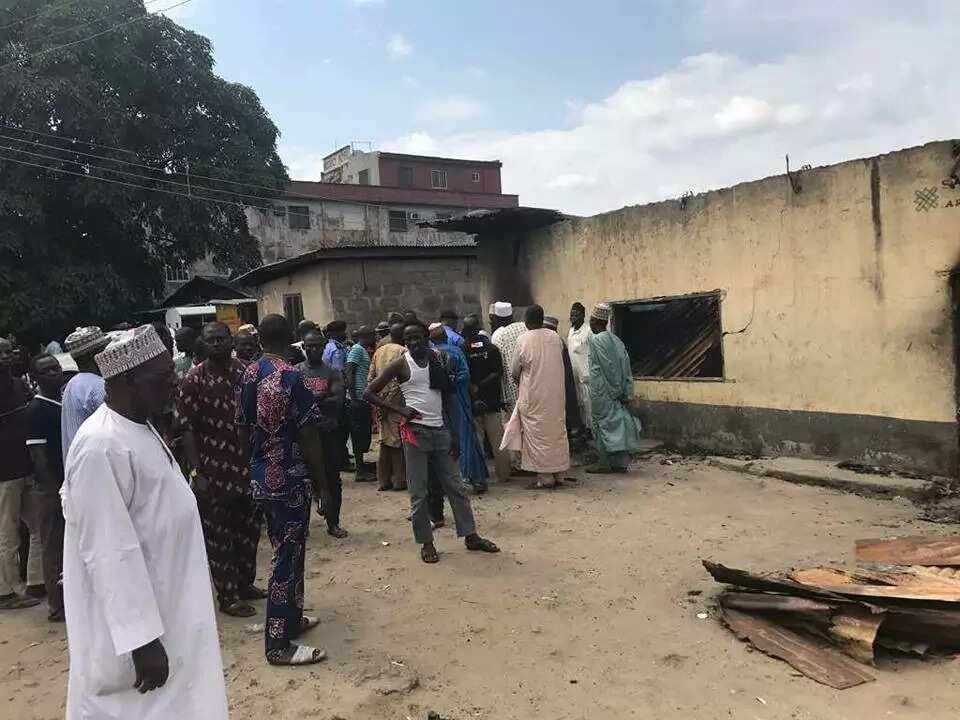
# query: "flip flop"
537,485
429,556
18,603
301,655
238,609
307,623
482,545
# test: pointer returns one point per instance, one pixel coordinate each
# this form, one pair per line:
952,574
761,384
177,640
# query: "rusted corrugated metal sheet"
813,657
910,550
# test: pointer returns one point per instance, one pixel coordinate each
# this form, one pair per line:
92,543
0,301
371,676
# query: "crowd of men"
156,464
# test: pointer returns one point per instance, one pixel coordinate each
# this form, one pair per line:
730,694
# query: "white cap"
434,326
503,309
131,349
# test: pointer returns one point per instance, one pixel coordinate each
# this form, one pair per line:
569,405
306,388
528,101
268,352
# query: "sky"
595,106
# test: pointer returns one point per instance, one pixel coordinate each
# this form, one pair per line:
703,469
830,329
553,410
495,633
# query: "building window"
673,337
176,273
293,308
444,215
405,177
475,177
438,179
398,221
363,177
298,217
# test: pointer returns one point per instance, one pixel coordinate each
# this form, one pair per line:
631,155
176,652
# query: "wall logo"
926,198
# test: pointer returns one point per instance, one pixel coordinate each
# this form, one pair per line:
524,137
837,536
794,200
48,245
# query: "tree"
80,243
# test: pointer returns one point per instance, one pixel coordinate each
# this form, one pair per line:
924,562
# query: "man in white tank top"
428,439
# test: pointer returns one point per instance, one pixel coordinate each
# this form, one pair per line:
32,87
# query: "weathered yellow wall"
313,285
839,313
365,291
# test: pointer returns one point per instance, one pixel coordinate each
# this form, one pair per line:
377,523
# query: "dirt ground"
586,614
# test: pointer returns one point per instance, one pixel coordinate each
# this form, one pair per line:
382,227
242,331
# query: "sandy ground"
586,613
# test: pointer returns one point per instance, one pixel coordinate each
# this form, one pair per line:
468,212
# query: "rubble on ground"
830,623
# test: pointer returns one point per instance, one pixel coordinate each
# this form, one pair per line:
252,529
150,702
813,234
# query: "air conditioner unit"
413,215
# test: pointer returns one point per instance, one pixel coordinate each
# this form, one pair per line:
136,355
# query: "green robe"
611,385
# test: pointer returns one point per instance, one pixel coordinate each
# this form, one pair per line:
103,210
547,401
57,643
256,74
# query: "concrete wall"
836,305
459,175
365,291
350,172
338,224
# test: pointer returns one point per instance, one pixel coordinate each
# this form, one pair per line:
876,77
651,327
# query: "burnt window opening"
298,217
674,337
398,220
293,308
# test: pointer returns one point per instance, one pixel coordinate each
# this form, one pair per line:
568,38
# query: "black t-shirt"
43,428
483,358
14,457
320,381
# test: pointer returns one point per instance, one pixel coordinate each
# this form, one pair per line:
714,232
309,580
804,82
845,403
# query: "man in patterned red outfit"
278,423
220,473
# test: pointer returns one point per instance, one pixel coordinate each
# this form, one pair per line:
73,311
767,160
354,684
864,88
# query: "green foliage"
75,250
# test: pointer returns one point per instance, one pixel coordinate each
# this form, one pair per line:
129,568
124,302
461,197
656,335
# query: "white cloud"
569,181
450,108
398,47
857,79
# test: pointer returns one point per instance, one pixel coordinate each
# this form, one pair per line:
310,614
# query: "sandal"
429,554
297,655
307,623
16,602
481,545
238,609
252,592
537,485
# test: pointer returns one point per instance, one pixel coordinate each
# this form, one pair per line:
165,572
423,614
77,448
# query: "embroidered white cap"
503,309
602,311
131,349
86,341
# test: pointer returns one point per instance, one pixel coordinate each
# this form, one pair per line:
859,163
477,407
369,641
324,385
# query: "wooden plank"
916,587
910,550
742,578
855,629
811,656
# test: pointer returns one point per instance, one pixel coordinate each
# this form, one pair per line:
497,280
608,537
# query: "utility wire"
86,176
66,138
139,18
105,16
44,11
191,176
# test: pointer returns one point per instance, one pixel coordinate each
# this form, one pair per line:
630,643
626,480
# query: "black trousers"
334,455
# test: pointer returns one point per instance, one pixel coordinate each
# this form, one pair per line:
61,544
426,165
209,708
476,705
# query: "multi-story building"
421,172
314,216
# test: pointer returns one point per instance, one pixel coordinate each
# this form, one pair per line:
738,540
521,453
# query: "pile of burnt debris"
830,623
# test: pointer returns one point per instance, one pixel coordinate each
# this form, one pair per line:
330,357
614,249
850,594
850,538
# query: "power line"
66,139
140,18
191,176
48,8
105,16
199,198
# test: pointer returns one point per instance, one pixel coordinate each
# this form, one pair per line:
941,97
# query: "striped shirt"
359,356
83,395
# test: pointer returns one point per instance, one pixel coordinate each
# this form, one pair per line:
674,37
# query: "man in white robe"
140,618
578,345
